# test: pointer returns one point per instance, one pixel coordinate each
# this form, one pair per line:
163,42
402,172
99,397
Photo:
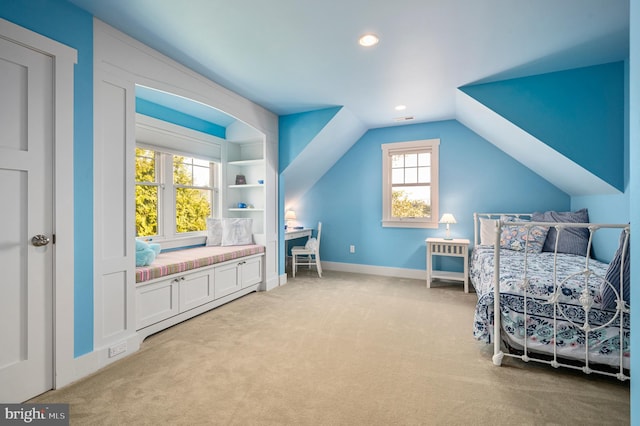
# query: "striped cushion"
571,240
613,276
177,261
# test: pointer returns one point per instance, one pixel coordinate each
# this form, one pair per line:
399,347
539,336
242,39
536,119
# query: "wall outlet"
117,349
352,248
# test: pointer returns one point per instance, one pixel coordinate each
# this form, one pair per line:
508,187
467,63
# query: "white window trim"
167,201
388,150
162,136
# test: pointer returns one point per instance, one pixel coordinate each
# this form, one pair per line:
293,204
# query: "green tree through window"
192,189
146,193
193,205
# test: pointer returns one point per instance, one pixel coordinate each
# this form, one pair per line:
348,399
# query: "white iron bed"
544,301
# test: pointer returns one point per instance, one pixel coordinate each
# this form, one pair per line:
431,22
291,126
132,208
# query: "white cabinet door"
251,271
156,302
226,280
195,290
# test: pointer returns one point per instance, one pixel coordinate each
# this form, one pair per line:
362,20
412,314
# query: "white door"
26,202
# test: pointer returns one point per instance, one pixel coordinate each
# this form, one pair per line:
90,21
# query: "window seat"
174,262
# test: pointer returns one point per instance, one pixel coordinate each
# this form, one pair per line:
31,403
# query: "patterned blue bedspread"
604,342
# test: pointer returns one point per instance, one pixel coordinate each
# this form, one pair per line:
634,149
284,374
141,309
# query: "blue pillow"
613,276
572,240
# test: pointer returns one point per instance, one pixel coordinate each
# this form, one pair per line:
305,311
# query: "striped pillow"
571,240
613,277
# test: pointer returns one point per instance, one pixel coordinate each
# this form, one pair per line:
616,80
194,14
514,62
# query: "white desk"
453,248
292,234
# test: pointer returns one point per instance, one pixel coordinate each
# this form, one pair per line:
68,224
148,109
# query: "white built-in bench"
181,284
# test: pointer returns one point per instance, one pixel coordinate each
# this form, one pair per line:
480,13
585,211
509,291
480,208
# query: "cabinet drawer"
226,280
195,290
251,272
156,302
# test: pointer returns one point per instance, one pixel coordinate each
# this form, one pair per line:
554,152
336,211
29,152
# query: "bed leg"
497,358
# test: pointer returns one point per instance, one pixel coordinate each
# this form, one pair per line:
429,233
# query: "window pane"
201,175
193,206
424,159
182,170
424,175
411,160
200,163
411,175
146,210
397,176
397,161
145,165
411,202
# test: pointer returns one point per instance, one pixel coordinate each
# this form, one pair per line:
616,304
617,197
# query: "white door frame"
64,59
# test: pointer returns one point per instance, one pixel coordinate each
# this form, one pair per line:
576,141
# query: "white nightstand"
454,248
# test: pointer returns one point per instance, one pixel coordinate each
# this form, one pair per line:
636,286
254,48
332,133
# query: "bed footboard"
562,310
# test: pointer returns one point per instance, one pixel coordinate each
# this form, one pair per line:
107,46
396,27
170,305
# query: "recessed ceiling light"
368,40
400,107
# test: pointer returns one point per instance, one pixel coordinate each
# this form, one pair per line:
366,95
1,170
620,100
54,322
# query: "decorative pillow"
214,232
613,276
515,237
237,231
571,240
311,244
487,231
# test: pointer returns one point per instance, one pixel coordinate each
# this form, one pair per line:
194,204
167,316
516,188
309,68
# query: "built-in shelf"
246,162
236,209
248,185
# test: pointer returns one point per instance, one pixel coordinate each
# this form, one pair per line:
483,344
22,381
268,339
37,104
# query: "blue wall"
475,176
70,25
578,112
179,118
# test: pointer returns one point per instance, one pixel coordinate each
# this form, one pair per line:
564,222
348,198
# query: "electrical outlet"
352,248
117,349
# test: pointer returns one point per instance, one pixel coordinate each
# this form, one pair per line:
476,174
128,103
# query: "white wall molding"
385,271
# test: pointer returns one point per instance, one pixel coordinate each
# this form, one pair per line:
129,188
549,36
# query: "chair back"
318,236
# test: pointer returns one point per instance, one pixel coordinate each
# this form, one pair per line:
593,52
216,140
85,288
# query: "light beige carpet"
345,349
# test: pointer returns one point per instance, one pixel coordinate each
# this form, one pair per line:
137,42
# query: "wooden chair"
308,255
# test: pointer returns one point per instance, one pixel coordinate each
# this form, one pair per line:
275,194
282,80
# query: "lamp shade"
290,215
448,218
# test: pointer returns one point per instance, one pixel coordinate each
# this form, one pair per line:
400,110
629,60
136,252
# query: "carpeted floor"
345,349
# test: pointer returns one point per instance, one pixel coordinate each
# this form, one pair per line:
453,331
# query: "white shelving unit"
246,158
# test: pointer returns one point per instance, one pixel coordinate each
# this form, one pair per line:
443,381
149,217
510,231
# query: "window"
174,194
410,184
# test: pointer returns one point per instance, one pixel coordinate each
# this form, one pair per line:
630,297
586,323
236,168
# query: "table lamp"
288,217
448,219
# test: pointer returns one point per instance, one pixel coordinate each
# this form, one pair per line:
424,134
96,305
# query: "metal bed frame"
586,300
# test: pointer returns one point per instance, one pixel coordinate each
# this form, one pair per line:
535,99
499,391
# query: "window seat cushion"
173,262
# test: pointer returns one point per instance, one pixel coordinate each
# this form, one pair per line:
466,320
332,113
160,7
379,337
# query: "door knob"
39,240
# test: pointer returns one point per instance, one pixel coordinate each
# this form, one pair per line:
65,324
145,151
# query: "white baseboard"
385,271
283,279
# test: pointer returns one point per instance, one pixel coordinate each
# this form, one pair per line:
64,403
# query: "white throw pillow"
237,231
311,244
214,232
487,231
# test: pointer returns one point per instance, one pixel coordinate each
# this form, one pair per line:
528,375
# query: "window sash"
167,221
411,158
